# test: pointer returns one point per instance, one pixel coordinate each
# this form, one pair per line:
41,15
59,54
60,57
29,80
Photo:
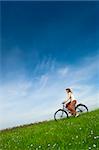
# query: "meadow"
81,133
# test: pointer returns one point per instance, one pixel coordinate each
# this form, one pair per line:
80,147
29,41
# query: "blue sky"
46,47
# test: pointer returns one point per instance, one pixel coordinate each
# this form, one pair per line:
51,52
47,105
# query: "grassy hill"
80,133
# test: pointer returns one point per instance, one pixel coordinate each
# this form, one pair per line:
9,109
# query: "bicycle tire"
61,110
81,105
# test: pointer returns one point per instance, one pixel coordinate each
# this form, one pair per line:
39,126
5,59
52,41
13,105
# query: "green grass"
80,133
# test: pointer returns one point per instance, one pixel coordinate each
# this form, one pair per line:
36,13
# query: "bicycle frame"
68,111
64,108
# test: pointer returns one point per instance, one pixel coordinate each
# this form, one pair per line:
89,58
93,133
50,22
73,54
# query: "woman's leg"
71,107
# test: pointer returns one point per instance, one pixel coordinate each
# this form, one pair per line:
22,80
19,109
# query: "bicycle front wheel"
60,114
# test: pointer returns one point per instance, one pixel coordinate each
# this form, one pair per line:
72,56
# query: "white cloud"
26,101
63,71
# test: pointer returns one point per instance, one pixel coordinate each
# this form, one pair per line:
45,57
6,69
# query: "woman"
71,102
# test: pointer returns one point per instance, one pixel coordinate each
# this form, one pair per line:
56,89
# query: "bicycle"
65,113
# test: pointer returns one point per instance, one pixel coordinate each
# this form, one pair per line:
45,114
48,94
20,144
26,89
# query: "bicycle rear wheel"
81,108
60,114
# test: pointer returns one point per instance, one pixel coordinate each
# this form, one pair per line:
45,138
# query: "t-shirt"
70,97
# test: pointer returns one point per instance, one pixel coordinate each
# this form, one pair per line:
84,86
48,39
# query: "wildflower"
31,145
54,145
89,148
83,142
94,145
76,136
91,131
39,146
80,128
97,137
48,145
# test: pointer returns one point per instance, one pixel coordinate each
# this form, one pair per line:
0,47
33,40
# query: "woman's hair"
69,90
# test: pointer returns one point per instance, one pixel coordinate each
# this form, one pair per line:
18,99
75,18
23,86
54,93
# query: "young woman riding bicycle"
71,102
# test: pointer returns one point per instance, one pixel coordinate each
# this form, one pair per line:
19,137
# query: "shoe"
77,114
